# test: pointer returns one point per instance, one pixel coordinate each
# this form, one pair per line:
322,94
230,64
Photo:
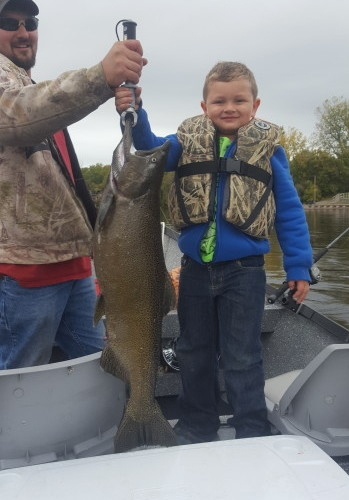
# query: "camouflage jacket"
42,219
248,199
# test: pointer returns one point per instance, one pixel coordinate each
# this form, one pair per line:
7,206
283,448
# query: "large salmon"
136,291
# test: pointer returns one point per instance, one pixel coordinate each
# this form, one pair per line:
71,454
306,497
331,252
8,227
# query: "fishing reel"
315,274
314,271
315,277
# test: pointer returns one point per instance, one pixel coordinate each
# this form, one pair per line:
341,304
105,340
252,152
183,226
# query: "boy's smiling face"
230,105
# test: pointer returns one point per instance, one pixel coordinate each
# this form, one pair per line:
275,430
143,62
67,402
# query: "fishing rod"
129,33
314,270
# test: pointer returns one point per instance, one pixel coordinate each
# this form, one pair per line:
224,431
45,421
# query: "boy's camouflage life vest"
248,198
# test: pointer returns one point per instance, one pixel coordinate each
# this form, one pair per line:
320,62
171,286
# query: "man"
47,293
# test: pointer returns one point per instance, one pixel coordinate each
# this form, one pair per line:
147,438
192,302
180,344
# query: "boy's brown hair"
226,72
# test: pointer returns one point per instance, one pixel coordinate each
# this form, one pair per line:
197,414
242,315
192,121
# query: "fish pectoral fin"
170,298
153,431
111,364
99,309
105,205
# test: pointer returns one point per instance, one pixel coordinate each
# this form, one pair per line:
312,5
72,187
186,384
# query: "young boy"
232,184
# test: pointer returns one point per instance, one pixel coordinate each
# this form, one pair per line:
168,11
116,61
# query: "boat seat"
314,402
69,409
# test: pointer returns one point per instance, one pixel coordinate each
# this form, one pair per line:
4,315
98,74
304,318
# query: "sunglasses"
10,24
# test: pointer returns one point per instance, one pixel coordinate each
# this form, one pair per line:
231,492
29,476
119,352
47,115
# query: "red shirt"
35,275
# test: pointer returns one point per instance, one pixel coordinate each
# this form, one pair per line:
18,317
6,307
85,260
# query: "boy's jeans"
33,319
220,311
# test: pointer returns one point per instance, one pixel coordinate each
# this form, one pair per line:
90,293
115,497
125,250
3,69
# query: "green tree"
332,136
315,173
332,129
96,176
293,141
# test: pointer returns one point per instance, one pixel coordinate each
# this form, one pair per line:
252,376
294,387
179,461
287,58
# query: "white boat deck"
276,467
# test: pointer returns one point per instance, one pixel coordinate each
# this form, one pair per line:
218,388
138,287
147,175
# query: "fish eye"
153,160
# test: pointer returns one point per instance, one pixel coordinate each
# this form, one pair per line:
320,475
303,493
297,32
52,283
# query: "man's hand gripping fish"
136,291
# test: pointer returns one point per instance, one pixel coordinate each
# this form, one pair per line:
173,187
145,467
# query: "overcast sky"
297,49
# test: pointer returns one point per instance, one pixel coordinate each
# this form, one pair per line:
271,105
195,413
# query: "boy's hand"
300,290
123,98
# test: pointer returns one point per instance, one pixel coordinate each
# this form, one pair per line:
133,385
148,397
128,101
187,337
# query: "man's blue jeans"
32,320
220,312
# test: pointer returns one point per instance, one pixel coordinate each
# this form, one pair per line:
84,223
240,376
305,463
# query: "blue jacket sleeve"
144,138
290,221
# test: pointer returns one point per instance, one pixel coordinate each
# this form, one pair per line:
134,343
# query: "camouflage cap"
27,6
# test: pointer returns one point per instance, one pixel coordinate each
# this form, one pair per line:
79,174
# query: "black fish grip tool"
129,33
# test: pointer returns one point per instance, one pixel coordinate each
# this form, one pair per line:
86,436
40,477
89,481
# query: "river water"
331,295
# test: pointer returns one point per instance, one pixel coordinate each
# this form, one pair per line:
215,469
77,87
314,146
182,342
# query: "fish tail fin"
152,431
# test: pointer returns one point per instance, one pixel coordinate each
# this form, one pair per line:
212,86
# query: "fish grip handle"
129,33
